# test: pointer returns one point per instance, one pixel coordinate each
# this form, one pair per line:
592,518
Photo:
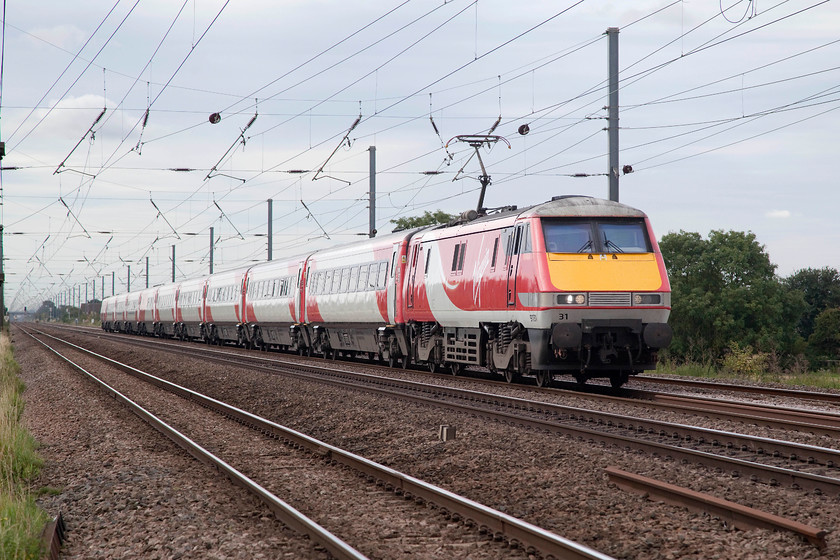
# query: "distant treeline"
727,300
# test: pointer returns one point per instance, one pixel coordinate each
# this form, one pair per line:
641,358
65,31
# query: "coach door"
512,260
392,284
300,293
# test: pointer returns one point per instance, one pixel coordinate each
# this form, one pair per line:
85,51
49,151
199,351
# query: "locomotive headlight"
571,299
647,299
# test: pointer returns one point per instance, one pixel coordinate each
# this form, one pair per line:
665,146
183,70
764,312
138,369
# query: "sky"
728,115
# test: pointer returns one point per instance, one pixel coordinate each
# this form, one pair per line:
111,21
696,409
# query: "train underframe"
608,348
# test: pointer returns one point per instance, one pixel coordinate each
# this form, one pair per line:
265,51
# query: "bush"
744,361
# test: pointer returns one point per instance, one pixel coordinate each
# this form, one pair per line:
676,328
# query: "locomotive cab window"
595,236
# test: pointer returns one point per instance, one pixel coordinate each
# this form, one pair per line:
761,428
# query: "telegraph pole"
173,264
270,229
211,250
612,34
372,193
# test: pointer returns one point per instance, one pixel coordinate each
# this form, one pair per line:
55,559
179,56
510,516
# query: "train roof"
567,205
584,206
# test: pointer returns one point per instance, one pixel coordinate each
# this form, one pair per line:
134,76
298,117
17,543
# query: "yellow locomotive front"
604,285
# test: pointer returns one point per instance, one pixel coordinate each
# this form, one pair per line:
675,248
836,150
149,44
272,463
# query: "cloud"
774,214
63,36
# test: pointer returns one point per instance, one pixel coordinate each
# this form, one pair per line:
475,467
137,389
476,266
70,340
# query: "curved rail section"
285,512
516,531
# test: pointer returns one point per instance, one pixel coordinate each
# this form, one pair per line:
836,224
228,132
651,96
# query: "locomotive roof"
582,206
570,205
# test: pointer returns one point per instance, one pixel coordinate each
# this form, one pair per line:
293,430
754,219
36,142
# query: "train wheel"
432,367
543,378
511,376
581,379
619,379
456,368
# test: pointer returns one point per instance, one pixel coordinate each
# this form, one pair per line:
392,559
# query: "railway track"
817,396
824,423
759,459
252,429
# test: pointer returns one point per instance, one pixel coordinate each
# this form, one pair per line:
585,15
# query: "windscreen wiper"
609,244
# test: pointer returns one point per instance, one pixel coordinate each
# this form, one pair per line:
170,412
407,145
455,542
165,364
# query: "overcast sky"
729,121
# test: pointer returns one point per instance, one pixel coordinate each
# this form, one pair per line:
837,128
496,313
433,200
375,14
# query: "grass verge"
822,379
21,521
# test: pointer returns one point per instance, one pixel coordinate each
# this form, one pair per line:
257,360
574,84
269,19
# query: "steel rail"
760,445
721,439
740,516
516,531
785,418
820,423
776,391
778,413
756,471
287,514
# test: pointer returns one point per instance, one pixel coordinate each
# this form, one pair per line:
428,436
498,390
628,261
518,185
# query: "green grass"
21,521
822,379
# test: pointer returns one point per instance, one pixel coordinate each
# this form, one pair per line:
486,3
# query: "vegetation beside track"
21,521
746,365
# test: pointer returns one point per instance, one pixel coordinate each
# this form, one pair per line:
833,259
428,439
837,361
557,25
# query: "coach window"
455,254
461,257
336,281
526,239
354,279
363,278
495,254
345,280
383,274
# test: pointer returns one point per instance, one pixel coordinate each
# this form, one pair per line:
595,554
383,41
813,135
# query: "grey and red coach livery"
576,285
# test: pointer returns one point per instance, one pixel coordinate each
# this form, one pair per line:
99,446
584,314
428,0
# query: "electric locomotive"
576,285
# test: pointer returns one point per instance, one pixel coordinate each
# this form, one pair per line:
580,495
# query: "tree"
427,219
824,342
821,290
46,311
724,290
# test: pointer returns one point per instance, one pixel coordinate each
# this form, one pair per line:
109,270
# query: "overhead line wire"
82,73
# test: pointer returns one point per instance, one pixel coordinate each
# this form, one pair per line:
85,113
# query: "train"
573,286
